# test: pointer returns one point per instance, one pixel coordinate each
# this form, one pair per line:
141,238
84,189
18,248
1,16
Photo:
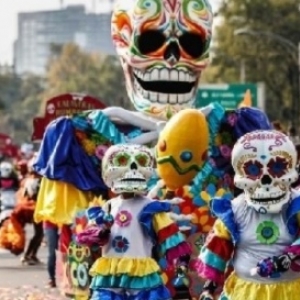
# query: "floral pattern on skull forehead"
163,46
265,167
127,168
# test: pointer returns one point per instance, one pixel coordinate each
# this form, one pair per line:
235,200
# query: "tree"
266,60
18,115
10,86
72,70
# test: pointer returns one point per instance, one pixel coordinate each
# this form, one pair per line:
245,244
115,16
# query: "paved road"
19,282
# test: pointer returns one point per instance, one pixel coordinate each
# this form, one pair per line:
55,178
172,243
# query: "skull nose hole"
266,179
133,166
172,51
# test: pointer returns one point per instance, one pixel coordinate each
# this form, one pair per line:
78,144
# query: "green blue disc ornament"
267,232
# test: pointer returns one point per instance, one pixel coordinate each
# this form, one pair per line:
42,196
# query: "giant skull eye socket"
253,169
277,167
193,44
150,41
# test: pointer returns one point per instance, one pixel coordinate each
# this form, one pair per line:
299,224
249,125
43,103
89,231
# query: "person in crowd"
22,169
28,195
292,133
51,232
278,126
8,177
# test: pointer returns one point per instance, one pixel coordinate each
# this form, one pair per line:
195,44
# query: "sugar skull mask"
163,46
265,166
127,168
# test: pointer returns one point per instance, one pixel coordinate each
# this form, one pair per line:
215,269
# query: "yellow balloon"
182,148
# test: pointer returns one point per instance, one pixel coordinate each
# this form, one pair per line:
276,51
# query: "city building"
38,30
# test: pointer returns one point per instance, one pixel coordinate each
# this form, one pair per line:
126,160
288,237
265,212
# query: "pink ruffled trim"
90,237
180,250
208,272
295,249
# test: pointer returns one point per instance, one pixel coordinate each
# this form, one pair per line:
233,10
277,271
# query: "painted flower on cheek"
100,151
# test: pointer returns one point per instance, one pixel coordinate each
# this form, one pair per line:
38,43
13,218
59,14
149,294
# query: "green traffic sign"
228,95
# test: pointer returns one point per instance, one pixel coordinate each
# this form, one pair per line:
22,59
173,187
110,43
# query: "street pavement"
18,282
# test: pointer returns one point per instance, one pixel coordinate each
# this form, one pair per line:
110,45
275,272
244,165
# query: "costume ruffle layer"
236,289
129,273
158,293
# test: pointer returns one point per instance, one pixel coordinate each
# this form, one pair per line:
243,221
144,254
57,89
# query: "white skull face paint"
265,167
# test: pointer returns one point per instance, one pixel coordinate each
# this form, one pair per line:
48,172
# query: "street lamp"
293,49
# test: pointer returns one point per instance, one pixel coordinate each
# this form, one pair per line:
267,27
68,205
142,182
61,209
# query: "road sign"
228,95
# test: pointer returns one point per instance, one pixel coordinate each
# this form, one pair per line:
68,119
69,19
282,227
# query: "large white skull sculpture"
163,46
127,168
265,167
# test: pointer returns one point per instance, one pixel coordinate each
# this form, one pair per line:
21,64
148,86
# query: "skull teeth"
165,98
165,75
181,83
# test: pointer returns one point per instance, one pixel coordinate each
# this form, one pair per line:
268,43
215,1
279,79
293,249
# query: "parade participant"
13,230
8,177
51,232
22,169
258,230
128,227
27,203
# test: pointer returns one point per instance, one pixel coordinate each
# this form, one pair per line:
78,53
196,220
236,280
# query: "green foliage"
75,71
69,70
22,106
265,59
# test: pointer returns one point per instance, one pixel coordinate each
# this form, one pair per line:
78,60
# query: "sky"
9,10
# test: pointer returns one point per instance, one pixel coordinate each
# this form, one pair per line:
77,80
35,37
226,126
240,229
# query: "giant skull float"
127,168
163,46
265,167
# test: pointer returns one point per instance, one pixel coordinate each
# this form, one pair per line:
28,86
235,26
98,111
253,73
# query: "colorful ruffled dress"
245,237
126,269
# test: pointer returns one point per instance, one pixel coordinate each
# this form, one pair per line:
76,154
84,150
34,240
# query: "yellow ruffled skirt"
127,273
239,289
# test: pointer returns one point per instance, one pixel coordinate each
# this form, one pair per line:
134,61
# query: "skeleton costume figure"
127,228
259,229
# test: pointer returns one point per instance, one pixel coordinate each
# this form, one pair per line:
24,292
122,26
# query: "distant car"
7,204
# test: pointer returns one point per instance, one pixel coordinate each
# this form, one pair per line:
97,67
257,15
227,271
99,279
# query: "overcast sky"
9,10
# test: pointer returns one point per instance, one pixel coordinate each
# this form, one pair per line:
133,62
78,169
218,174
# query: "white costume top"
137,244
250,249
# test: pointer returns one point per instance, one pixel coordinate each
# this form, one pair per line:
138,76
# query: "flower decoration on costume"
120,244
203,219
88,146
79,223
81,135
231,118
225,151
100,150
212,192
123,218
267,232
